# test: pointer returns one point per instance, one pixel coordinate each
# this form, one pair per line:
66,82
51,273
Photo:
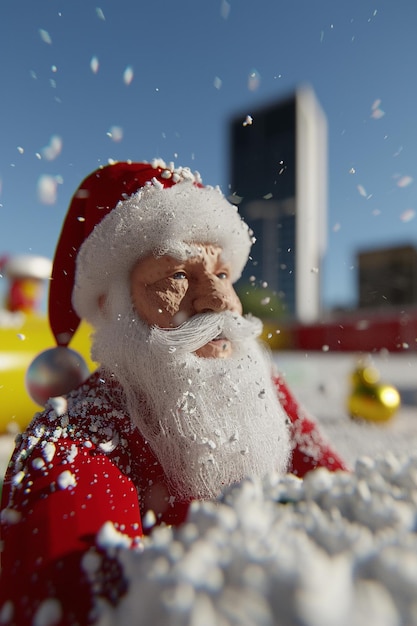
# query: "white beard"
210,422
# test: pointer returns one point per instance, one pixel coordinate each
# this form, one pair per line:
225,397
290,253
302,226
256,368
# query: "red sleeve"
53,509
310,447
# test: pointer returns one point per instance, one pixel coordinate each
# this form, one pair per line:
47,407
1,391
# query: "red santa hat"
123,212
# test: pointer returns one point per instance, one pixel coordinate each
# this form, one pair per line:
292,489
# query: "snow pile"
330,550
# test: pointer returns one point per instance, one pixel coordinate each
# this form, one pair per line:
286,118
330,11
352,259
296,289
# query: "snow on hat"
123,212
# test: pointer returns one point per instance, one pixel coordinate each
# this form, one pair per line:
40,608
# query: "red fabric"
310,448
70,475
43,553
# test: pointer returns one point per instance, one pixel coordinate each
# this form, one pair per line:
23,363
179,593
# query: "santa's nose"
211,298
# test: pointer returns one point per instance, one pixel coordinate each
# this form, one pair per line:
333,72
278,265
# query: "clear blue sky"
83,82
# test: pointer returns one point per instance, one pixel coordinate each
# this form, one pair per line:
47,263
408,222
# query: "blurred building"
387,277
279,180
386,316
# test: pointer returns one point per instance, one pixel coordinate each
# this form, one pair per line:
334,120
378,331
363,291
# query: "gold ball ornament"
55,372
370,399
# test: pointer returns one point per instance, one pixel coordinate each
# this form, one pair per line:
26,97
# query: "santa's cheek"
170,300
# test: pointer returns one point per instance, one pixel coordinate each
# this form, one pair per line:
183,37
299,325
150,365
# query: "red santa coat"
72,474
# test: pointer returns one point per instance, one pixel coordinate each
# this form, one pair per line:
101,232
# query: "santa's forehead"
183,250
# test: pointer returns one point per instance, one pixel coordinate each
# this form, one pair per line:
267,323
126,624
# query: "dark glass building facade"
276,181
263,174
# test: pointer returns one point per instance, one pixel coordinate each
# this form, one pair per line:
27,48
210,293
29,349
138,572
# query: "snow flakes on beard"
210,422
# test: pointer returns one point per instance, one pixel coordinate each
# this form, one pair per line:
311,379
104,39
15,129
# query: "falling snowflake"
100,14
377,114
115,133
407,215
254,80
94,65
217,82
225,9
47,189
149,519
53,149
404,181
45,36
128,75
376,111
248,121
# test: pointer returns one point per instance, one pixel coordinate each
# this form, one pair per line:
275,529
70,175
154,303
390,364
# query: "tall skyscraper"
279,180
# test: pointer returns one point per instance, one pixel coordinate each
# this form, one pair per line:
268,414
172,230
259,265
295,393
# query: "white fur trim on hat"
159,221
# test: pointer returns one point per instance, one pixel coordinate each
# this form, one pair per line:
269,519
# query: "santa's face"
209,421
167,291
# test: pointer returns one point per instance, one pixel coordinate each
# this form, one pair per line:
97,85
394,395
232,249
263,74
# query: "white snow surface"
322,383
333,549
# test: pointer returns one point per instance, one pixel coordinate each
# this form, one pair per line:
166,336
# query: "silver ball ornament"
55,372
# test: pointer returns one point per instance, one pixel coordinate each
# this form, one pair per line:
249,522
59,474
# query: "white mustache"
203,328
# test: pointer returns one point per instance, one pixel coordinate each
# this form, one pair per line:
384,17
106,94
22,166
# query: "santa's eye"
222,275
180,275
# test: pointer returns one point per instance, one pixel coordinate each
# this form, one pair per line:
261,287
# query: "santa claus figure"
185,401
